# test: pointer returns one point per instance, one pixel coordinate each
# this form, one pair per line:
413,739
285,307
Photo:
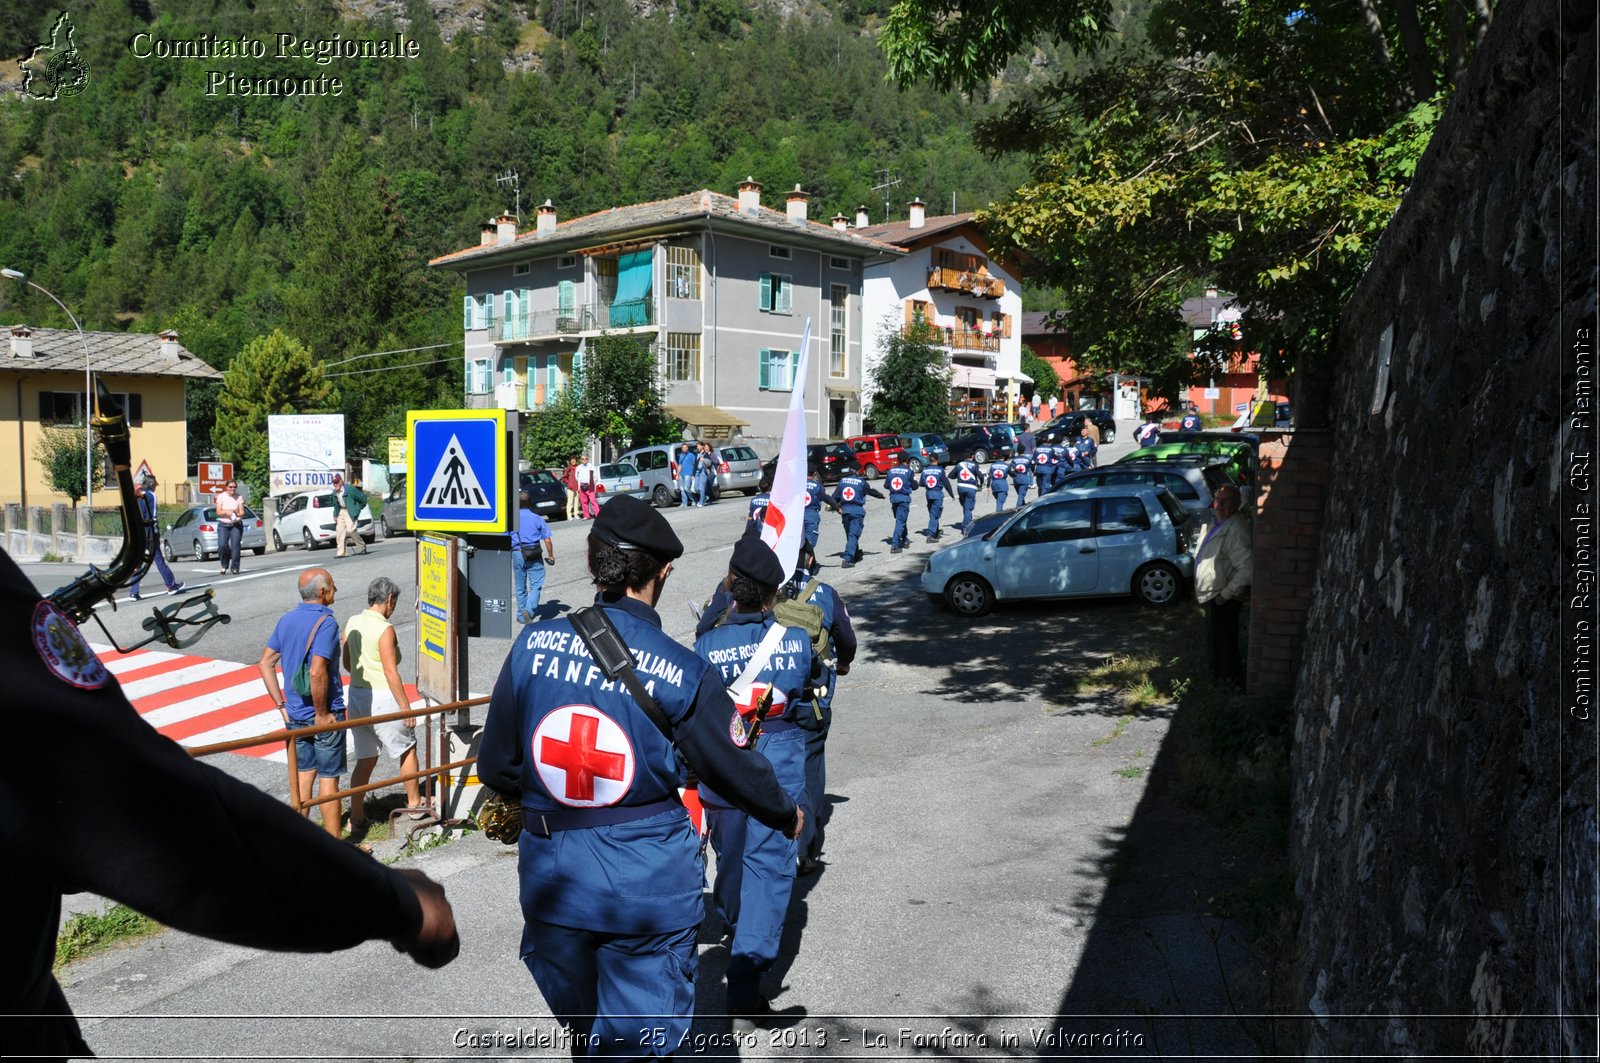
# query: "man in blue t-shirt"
532,548
309,634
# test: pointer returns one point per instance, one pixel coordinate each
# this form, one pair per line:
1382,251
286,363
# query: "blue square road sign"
459,471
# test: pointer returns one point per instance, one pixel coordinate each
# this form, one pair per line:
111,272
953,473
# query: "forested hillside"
145,203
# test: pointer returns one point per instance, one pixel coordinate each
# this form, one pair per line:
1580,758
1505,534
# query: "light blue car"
1073,543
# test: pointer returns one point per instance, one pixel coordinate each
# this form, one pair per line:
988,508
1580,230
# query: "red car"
877,454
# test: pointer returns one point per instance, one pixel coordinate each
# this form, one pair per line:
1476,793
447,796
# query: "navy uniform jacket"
934,481
730,645
1087,450
814,498
1022,472
967,475
850,495
900,482
240,870
758,506
999,476
559,737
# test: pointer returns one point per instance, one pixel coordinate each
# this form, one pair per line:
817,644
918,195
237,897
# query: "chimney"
486,234
546,222
21,341
916,213
841,222
505,228
749,196
1211,293
861,216
169,345
797,206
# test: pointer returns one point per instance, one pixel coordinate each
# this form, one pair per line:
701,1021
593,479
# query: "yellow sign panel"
397,451
436,620
458,471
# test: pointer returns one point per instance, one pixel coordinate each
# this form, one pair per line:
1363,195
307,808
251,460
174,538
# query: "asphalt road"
998,880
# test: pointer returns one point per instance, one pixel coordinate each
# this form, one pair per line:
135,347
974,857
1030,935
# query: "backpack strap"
605,645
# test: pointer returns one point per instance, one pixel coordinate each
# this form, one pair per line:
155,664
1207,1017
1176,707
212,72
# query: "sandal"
363,846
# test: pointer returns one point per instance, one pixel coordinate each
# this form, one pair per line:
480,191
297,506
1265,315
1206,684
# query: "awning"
1020,377
842,389
705,417
635,272
972,376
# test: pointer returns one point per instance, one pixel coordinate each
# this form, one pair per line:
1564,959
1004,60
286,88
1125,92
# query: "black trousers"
1222,636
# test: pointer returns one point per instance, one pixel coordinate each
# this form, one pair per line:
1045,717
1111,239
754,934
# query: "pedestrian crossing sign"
459,478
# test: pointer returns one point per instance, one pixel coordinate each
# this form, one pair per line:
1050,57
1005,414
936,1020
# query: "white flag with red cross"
783,524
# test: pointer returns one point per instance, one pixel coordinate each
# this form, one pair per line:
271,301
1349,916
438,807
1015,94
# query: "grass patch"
1132,771
1117,731
87,934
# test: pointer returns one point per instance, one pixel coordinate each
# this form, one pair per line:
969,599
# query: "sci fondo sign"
305,450
459,476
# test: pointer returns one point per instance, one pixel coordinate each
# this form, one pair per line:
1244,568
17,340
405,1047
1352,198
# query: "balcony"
575,321
967,282
958,339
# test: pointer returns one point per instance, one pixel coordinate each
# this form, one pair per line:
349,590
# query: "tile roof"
131,353
623,222
901,233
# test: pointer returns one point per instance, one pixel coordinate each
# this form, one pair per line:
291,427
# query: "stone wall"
1444,832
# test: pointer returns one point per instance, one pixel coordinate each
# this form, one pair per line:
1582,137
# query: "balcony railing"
591,317
960,339
945,278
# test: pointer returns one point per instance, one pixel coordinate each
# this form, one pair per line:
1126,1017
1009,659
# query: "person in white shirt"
1222,571
588,479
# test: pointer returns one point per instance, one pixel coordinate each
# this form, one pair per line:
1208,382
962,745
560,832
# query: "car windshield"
541,477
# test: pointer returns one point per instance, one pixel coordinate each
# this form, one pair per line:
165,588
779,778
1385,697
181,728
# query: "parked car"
1088,542
1172,435
979,443
1192,485
620,478
548,495
1281,418
195,533
307,518
736,468
1070,426
655,464
920,447
1239,455
1006,433
392,514
831,459
876,453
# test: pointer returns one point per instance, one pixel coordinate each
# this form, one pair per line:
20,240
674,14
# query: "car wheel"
277,541
167,551
1108,435
661,498
915,465
1158,584
871,472
980,455
199,554
305,538
969,595
383,527
258,550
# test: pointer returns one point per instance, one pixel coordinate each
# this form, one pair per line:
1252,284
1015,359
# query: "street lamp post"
88,387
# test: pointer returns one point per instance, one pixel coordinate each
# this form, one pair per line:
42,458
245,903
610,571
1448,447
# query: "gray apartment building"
720,286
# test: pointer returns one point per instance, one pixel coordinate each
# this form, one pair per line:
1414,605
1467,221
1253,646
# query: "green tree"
619,392
555,433
61,452
273,374
911,383
1046,382
1260,146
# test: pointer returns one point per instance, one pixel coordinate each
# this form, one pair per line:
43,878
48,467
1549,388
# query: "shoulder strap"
605,645
769,643
810,589
313,636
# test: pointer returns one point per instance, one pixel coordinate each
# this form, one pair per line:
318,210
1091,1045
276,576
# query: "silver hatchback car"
195,533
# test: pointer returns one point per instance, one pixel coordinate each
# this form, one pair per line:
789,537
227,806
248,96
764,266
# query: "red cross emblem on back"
848,494
583,756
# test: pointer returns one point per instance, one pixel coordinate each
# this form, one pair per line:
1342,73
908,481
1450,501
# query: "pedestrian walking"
968,477
1022,476
588,480
1089,446
145,490
372,657
569,480
609,862
704,472
935,486
230,528
1000,482
768,668
1147,434
900,481
532,548
347,504
1223,568
815,498
850,501
685,475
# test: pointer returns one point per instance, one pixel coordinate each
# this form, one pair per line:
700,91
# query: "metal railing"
434,795
961,339
590,317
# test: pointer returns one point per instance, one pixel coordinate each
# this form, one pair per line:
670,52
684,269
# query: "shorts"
396,737
323,753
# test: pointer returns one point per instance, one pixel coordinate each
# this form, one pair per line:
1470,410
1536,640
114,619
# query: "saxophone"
78,599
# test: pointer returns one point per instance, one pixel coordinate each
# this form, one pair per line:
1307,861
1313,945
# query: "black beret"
631,524
755,560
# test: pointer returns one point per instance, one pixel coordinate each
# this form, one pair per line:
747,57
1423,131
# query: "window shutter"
1005,325
488,311
135,409
510,305
785,294
764,375
766,296
565,298
468,305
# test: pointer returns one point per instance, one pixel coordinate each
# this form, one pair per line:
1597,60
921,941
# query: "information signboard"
459,474
437,619
304,450
397,454
213,476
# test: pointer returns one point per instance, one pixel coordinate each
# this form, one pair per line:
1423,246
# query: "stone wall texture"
1444,834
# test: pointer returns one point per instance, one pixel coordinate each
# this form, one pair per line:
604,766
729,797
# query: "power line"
380,354
386,368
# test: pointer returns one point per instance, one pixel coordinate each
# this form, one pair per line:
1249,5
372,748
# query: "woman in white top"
372,657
